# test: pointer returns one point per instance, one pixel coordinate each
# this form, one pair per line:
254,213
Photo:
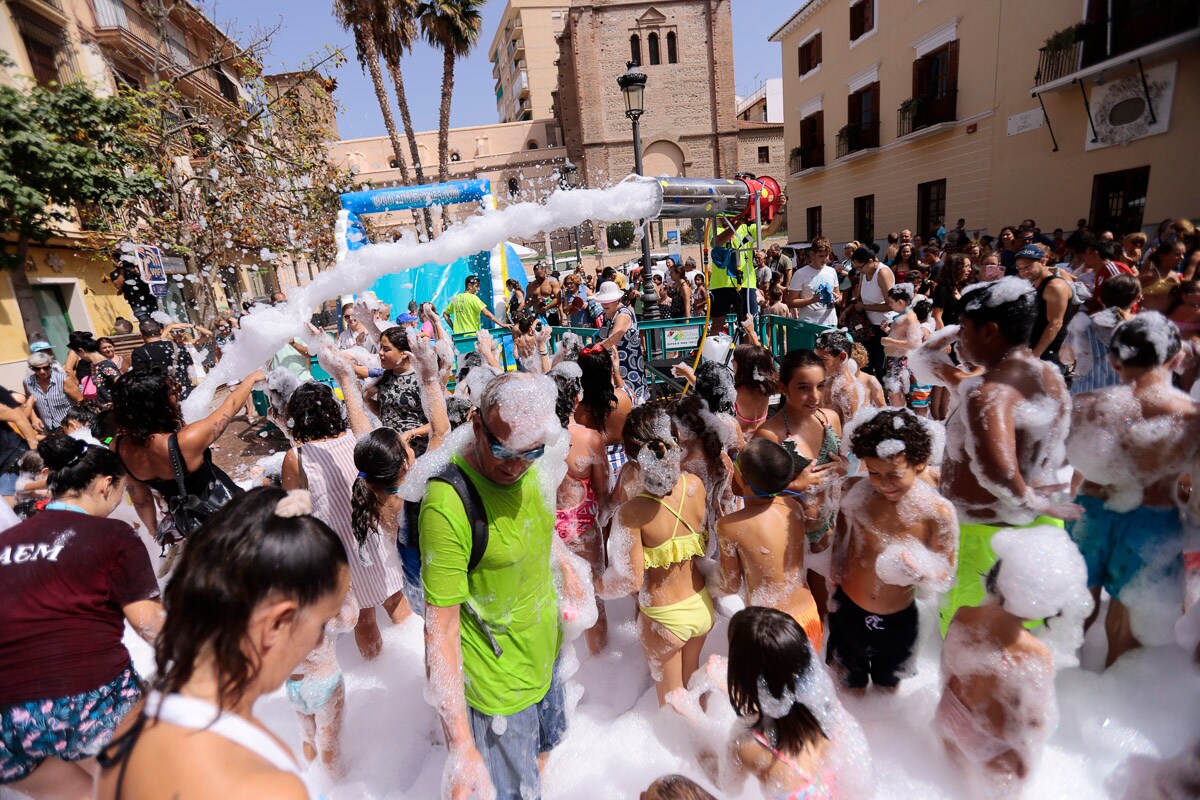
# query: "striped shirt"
52,404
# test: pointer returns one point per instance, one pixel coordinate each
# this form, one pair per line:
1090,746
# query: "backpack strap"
473,505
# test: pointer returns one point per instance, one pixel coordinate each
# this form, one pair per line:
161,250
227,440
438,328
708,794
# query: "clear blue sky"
308,26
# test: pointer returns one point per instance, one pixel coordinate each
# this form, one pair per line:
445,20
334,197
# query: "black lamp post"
570,180
633,86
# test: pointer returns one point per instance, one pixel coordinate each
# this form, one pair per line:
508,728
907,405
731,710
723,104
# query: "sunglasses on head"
502,453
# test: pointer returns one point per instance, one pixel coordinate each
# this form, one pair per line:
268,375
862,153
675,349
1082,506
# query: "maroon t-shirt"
64,577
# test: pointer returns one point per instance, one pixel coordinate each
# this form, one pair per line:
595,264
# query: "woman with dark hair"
66,679
108,349
658,538
772,687
516,299
252,594
149,426
97,375
1159,277
396,396
681,292
605,401
755,380
904,262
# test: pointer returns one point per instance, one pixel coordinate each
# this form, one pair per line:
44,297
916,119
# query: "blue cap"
38,346
406,318
1031,251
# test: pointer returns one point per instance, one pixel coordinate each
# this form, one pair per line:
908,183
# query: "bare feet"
367,636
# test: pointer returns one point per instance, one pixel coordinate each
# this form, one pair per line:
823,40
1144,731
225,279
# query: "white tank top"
871,294
191,712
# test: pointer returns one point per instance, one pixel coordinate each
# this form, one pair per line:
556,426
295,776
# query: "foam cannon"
743,199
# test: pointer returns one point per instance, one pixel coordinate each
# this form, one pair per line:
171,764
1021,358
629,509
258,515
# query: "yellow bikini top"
677,549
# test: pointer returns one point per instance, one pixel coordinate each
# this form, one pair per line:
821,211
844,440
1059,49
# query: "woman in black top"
91,364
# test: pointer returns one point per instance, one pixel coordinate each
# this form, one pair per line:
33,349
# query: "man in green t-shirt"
465,308
491,665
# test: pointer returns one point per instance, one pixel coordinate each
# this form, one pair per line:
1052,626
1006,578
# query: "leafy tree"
61,148
620,234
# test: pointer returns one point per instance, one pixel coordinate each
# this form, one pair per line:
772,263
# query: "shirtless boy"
894,534
849,389
1005,438
904,334
763,543
1132,444
544,295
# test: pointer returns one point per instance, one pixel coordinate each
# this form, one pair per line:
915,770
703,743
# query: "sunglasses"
40,369
502,453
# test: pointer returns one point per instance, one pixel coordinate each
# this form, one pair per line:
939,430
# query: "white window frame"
863,78
874,18
938,37
812,106
800,46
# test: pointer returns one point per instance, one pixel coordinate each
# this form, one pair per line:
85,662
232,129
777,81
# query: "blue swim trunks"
308,696
1117,546
71,728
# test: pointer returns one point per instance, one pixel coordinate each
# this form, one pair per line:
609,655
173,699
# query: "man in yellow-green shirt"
492,633
737,295
465,308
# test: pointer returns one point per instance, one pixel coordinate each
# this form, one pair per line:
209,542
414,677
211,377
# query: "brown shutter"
853,110
819,136
816,50
868,15
952,67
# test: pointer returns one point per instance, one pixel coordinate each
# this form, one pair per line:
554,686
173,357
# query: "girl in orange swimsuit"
657,539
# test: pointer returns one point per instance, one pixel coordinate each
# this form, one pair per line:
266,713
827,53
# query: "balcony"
521,84
122,24
1140,28
517,49
515,29
857,136
925,111
52,10
806,157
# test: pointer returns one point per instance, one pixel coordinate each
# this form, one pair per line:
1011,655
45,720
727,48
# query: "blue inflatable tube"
403,198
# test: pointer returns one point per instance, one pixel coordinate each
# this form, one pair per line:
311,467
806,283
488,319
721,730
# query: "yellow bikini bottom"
687,619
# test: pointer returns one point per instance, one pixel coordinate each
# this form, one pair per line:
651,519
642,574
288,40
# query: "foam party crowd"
947,551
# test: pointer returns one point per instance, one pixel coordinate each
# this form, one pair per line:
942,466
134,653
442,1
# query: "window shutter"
919,77
816,58
868,15
952,68
819,136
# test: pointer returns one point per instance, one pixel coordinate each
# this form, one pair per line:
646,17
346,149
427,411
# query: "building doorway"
56,322
931,207
1119,201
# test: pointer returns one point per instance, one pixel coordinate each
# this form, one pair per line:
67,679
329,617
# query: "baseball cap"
1031,251
406,318
39,346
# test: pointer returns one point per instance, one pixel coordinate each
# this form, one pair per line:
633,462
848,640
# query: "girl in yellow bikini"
657,539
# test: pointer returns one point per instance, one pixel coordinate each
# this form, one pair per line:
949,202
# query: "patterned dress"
375,573
632,363
400,406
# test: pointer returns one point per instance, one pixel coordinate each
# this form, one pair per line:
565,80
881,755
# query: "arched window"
392,163
672,50
635,49
652,44
513,188
532,145
454,156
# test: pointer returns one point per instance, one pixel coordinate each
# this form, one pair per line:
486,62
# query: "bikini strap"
678,514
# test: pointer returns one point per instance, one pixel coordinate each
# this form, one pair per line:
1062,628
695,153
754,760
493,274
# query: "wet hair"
922,308
143,405
901,293
1121,291
676,787
458,411
1146,340
241,556
599,395
382,461
645,426
768,648
74,464
754,368
82,340
1014,316
314,413
688,412
104,426
766,467
398,337
150,328
568,393
836,342
714,385
895,424
797,359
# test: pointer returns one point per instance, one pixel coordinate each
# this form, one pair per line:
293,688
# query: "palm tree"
364,18
395,33
454,26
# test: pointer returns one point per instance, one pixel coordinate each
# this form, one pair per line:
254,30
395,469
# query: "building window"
864,219
764,155
455,156
813,216
862,19
393,163
935,91
810,54
513,187
532,145
1119,200
931,206
862,129
652,46
672,48
229,89
812,143
48,49
635,49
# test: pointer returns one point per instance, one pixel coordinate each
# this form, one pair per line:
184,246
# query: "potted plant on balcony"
910,106
1063,40
844,131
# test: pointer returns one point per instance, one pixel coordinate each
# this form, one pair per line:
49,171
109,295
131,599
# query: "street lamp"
569,179
633,86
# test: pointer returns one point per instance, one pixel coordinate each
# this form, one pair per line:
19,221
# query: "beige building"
906,113
523,55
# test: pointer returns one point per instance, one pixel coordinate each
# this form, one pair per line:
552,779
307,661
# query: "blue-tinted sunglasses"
502,453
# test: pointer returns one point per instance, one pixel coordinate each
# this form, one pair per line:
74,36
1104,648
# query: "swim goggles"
759,493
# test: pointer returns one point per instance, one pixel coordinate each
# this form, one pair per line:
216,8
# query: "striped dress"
375,572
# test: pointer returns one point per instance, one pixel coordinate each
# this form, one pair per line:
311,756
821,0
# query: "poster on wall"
153,272
1121,113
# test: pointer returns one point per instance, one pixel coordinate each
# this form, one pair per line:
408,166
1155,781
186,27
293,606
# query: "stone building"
903,114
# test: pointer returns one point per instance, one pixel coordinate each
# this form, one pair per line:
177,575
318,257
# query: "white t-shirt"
806,281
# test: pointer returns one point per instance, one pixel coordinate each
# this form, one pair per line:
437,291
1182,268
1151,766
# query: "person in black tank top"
1055,305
